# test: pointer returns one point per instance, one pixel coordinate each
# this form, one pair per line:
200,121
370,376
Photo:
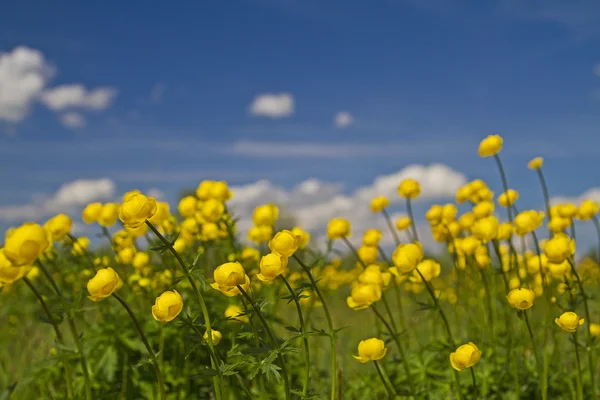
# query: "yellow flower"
505,231
371,350
402,223
203,192
228,276
233,311
136,209
463,193
483,209
91,212
379,203
125,256
528,221
260,234
59,226
212,210
409,188
250,254
265,214
367,254
271,266
103,284
434,214
559,248
465,356
23,245
363,295
569,321
338,228
535,163
372,275
567,210
508,198
407,256
521,299
137,232
468,245
482,257
81,245
490,146
558,224
485,229
10,273
140,260
162,213
284,243
210,231
122,239
220,191
587,209
535,264
372,237
187,206
595,330
167,306
467,220
428,268
304,236
216,337
108,214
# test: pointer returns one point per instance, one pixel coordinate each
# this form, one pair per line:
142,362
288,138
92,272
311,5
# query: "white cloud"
590,194
343,119
156,193
68,198
73,120
23,75
77,96
273,105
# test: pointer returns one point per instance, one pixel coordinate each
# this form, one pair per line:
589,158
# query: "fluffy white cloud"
23,75
73,120
68,198
313,203
273,105
77,96
343,119
590,194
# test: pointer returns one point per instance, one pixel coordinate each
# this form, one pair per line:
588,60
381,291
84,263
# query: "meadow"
173,302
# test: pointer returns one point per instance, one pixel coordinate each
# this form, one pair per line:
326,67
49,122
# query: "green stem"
504,183
597,226
353,250
332,333
437,306
124,376
57,332
388,387
390,225
217,381
579,374
474,383
415,236
535,351
274,342
304,336
261,380
155,364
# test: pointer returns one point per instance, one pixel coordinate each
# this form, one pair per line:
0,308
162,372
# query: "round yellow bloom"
212,210
338,228
558,224
233,311
402,223
125,255
528,221
271,266
467,220
216,337
490,146
108,214
59,226
428,268
371,350
265,214
379,203
187,206
372,275
161,214
407,256
260,234
535,264
508,198
483,209
367,254
482,257
284,243
203,192
469,245
505,231
228,276
81,246
486,229
91,212
409,188
595,330
303,235
587,210
463,193
372,237
122,239
434,214
559,270
250,254
103,284
140,260
569,321
10,273
136,209
23,245
567,210
363,295
220,191
521,299
465,356
210,231
167,306
559,248
535,163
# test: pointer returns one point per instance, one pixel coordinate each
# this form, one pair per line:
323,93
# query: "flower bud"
371,350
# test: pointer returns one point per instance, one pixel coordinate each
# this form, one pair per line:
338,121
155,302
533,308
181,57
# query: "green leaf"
293,329
108,363
256,350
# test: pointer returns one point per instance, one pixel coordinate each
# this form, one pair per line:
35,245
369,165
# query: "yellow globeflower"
465,356
140,260
567,210
505,231
559,248
210,231
10,273
187,206
467,220
216,337
91,212
234,312
80,246
125,255
490,146
284,243
136,209
521,299
167,306
59,226
409,188
220,191
367,254
24,244
379,203
463,193
468,245
407,256
528,221
372,237
228,276
371,350
595,330
162,213
402,223
569,321
428,268
587,210
372,275
483,209
103,284
108,214
535,163
485,229
271,266
363,295
203,192
338,228
265,214
260,234
212,210
434,214
304,236
508,198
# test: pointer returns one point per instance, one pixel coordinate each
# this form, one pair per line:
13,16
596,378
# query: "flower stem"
597,225
57,332
415,236
388,387
159,376
579,375
304,336
332,333
353,250
535,352
390,225
504,183
474,383
273,340
261,380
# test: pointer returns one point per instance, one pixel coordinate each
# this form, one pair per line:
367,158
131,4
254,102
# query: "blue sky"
424,81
